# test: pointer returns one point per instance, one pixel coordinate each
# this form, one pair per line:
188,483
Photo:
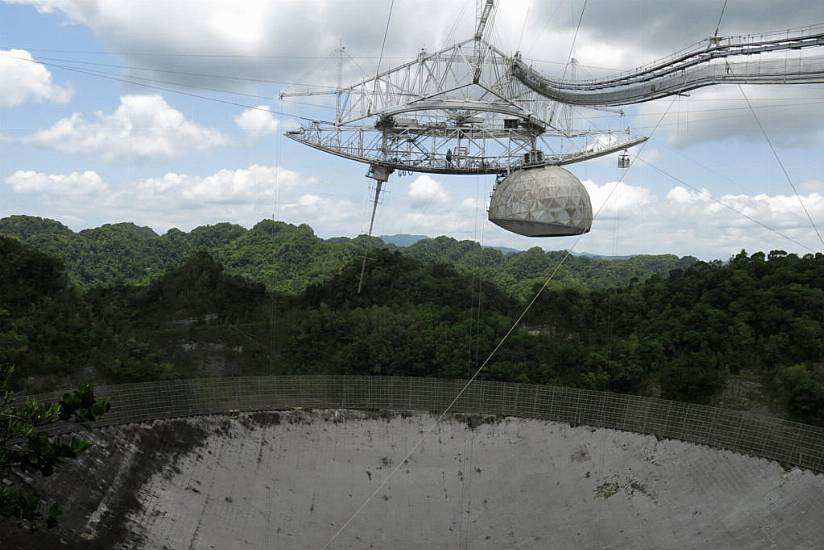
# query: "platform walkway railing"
789,443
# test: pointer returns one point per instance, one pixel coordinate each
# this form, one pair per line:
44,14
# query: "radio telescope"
471,108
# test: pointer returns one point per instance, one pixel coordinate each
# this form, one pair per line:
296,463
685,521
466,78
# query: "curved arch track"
772,58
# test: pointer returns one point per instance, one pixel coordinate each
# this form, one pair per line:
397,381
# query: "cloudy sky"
79,144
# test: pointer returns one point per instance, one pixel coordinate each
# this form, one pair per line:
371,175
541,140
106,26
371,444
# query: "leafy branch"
27,447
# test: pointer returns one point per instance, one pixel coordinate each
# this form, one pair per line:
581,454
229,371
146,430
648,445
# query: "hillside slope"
288,258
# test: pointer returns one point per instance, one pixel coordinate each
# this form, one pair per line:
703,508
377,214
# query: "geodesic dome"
541,202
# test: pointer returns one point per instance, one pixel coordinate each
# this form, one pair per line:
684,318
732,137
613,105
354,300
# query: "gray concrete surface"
288,480
509,484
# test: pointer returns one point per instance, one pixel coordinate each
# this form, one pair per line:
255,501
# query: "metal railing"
789,443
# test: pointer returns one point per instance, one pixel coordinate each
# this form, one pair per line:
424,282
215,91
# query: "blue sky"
88,150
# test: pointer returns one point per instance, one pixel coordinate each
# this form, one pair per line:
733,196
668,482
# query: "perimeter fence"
790,443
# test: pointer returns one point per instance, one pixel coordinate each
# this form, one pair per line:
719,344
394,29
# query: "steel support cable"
781,164
725,205
712,171
170,90
144,79
450,35
474,331
275,216
575,38
192,55
378,183
523,26
401,463
169,71
292,56
720,18
569,57
240,56
542,29
92,72
383,44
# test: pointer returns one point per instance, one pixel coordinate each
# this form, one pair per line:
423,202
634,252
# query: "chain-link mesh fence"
789,443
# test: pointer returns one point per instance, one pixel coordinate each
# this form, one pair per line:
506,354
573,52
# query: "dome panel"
541,202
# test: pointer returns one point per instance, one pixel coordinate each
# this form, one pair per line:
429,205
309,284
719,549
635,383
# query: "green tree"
27,447
801,388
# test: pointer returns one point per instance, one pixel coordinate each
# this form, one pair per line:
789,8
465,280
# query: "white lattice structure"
470,108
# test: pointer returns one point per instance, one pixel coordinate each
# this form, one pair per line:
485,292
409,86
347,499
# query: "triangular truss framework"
471,109
458,110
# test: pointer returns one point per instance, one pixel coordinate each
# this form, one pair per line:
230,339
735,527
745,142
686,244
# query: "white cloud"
698,222
471,203
617,199
76,183
258,122
459,224
781,212
244,196
245,185
309,200
24,81
634,220
142,126
330,215
426,192
257,37
681,195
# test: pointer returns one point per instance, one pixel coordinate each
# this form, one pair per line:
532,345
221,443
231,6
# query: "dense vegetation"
288,258
27,449
679,336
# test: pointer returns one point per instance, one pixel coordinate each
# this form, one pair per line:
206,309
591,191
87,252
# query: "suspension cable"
720,17
725,205
383,44
166,89
781,164
523,27
575,38
569,57
501,342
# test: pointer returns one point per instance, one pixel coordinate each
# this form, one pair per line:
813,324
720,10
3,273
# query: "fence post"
646,417
712,426
577,407
738,432
796,445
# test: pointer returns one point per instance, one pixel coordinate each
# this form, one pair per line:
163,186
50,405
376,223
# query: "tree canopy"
424,312
288,258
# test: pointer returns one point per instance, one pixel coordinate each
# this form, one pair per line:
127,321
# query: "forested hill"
288,258
683,337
